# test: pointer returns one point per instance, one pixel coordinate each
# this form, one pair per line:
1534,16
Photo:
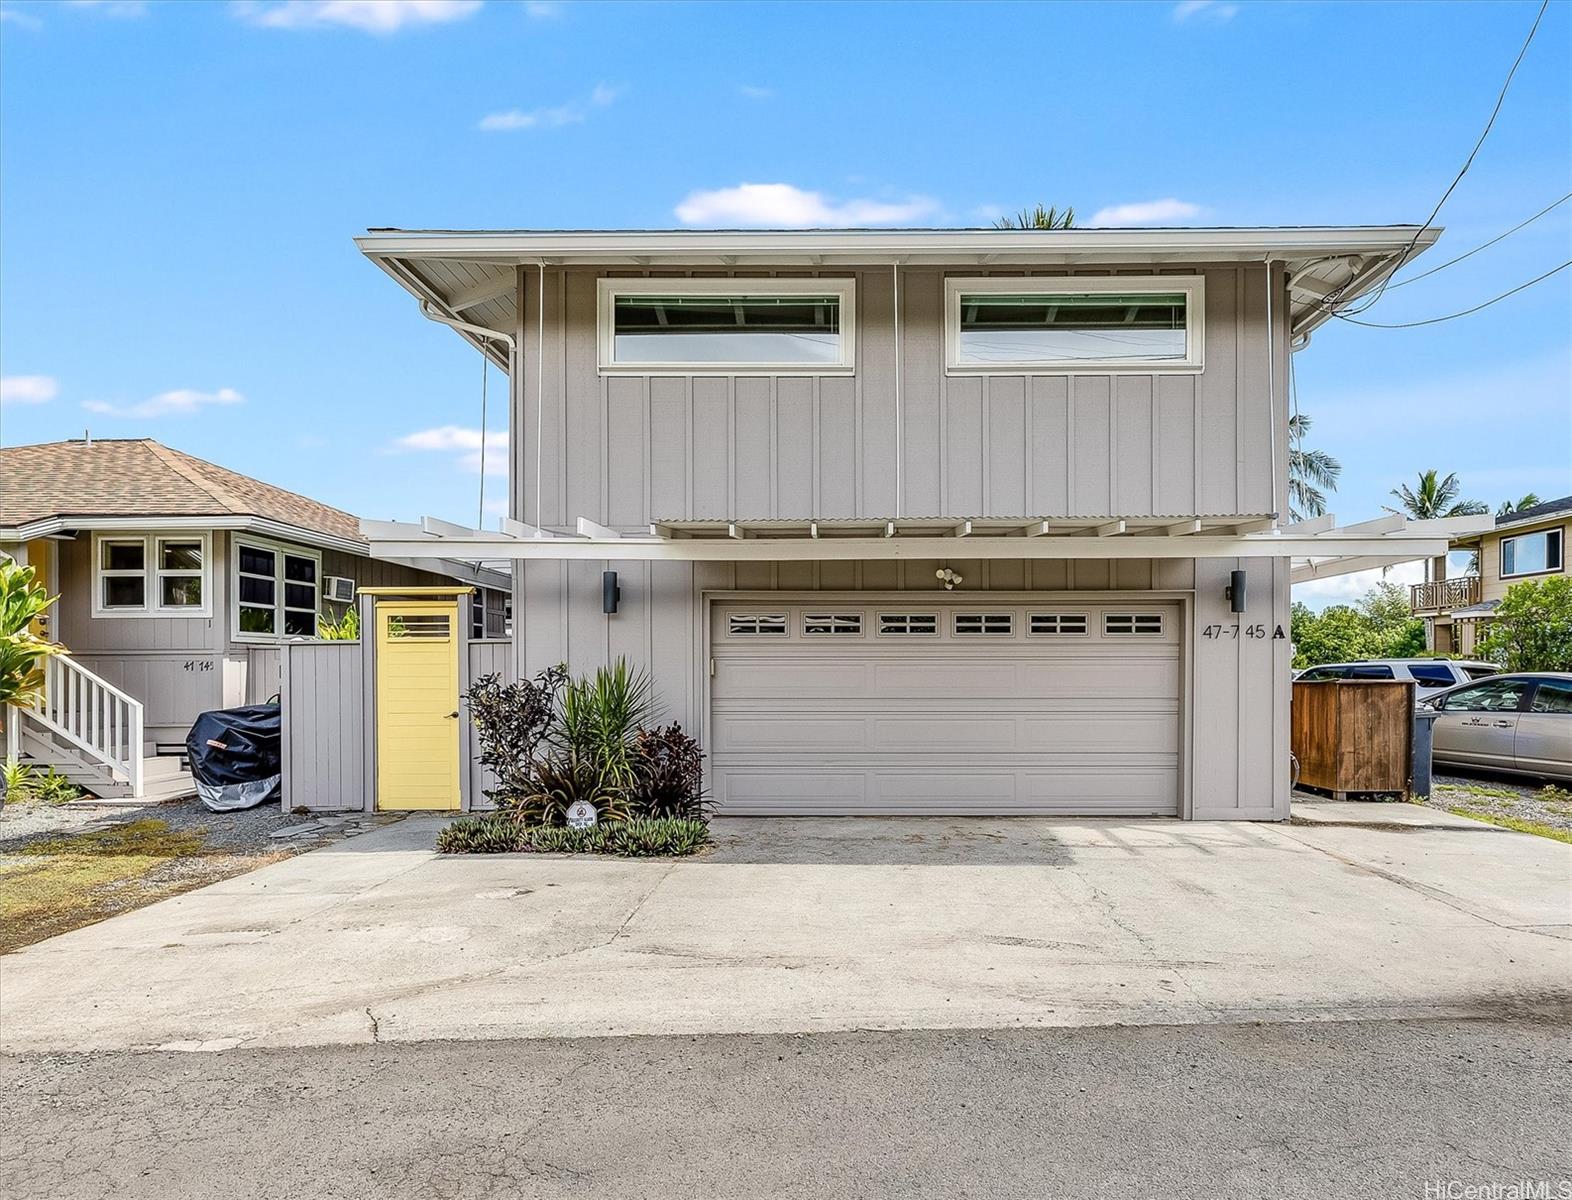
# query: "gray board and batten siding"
630,449
181,666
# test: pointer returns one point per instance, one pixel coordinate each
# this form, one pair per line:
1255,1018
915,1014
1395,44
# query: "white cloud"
1147,212
1347,589
368,16
780,205
542,9
28,389
467,444
1205,10
554,117
754,92
19,18
113,8
179,403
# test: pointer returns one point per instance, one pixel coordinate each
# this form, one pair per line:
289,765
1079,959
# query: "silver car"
1518,724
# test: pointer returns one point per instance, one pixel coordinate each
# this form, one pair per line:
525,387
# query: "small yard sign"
581,815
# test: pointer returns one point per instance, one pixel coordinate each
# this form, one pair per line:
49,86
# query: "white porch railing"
93,715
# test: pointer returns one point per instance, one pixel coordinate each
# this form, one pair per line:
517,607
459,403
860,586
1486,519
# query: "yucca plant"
601,715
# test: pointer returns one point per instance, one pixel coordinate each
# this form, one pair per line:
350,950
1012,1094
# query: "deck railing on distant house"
99,720
1444,595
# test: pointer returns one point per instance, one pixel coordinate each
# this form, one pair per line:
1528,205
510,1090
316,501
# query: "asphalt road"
1287,1110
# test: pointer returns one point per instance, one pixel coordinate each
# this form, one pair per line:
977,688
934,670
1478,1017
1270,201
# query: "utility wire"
1370,301
1453,316
1485,246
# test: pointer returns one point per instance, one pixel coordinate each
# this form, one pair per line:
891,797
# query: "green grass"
1515,823
1489,793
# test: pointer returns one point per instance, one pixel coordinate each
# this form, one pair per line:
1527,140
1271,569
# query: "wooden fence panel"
1354,735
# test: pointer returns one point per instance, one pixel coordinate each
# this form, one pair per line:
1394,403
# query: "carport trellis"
1318,548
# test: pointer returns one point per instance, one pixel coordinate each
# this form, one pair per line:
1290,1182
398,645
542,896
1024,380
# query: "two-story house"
1528,544
917,521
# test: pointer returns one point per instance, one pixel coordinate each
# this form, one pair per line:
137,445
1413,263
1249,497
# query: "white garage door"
944,708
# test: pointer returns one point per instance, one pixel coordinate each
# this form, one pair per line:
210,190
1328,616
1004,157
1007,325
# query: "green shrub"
513,721
486,834
600,715
561,780
500,833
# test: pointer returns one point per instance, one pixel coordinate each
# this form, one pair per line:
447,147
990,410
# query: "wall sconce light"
1235,591
610,593
949,578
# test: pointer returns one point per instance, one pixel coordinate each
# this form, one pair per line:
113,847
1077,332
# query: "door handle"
453,716
1503,724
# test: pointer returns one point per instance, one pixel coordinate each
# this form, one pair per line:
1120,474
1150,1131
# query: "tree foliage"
22,652
1531,629
1311,473
1379,625
1038,218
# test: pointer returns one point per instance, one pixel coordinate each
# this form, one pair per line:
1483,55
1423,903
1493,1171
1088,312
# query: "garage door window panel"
832,624
1132,625
984,624
908,624
756,625
1058,625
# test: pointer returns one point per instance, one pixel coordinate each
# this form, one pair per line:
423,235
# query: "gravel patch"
1519,799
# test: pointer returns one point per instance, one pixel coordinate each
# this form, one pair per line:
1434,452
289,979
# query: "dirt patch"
66,866
1545,810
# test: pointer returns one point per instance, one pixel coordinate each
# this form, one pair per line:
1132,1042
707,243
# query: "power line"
1453,316
1408,250
1485,246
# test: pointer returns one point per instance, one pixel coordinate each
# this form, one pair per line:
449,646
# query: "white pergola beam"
1312,526
1182,529
964,529
594,529
1380,549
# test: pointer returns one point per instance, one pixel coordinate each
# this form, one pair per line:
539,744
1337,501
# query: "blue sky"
179,184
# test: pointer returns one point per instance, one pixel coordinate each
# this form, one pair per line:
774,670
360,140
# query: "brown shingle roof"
141,478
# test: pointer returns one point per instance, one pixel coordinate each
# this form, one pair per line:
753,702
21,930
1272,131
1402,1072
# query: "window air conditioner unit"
338,589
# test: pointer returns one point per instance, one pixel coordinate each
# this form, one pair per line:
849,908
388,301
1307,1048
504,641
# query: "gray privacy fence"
329,707
264,668
323,691
486,658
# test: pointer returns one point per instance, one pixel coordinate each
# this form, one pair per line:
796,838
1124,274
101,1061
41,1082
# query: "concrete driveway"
815,925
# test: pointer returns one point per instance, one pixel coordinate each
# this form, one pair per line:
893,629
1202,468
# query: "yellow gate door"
417,680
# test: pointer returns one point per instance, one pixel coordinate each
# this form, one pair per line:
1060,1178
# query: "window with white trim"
756,624
996,624
1057,624
832,624
276,591
720,326
1531,553
1063,323
1134,624
150,575
909,624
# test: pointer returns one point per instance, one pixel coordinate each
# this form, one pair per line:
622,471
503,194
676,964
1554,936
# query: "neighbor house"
900,521
1528,544
178,581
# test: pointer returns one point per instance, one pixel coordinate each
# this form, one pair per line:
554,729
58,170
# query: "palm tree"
1038,218
1435,497
1311,473
1508,507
